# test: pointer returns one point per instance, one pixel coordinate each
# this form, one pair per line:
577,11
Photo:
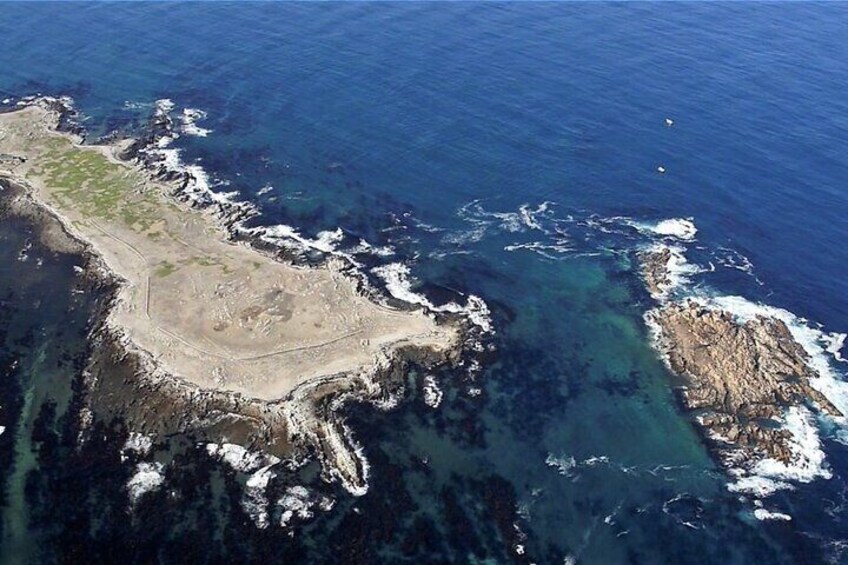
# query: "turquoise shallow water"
427,127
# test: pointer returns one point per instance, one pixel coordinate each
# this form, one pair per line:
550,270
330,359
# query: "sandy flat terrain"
213,312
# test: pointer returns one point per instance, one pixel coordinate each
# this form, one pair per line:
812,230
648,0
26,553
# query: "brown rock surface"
743,375
740,376
655,270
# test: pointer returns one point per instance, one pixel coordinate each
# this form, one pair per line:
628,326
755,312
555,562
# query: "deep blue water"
390,120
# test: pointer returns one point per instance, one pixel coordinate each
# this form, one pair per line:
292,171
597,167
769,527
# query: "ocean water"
509,151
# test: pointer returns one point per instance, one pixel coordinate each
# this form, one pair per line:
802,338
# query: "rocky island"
741,377
202,333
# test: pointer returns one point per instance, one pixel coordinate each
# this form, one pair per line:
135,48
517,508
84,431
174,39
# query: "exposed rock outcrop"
655,269
741,375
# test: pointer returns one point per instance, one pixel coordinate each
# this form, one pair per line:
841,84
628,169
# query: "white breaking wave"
164,106
678,270
808,460
679,228
432,393
757,485
199,186
763,514
478,312
359,454
147,478
563,465
835,342
259,465
254,501
295,502
327,242
365,247
397,279
190,117
138,443
299,502
240,458
287,236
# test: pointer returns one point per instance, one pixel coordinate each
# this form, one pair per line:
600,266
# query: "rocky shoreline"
741,376
125,382
655,270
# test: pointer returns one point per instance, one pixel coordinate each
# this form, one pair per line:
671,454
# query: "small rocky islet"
740,376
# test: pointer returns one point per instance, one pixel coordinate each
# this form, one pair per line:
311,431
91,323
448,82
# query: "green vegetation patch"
164,268
97,187
208,261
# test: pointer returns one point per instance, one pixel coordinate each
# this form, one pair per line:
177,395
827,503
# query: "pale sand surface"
218,314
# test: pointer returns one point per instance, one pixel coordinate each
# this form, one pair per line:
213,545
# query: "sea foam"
239,458
254,501
678,228
147,478
678,270
763,514
397,279
190,117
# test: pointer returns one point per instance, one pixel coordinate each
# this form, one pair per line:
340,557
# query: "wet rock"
655,269
740,376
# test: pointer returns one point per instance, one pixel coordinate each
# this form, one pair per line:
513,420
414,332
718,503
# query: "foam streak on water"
677,228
